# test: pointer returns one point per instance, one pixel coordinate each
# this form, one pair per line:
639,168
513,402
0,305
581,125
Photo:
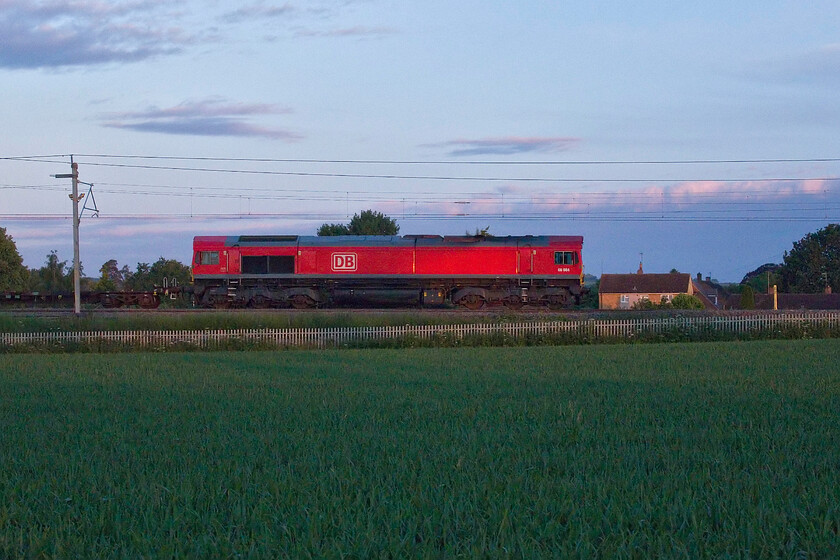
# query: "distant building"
623,291
717,296
791,302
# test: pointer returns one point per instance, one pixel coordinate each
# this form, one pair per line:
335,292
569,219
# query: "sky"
701,137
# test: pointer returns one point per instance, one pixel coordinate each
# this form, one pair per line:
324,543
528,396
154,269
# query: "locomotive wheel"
217,301
301,301
514,302
473,302
260,302
557,301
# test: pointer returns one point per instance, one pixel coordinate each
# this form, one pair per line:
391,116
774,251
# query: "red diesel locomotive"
308,271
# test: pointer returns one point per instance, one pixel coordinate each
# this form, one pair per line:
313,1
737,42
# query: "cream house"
623,291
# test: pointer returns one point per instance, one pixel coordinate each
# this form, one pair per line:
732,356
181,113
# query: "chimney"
640,271
828,288
708,278
699,277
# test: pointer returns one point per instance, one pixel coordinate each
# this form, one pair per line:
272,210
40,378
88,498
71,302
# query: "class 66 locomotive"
264,271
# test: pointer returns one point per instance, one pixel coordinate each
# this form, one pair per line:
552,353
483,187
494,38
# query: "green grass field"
636,451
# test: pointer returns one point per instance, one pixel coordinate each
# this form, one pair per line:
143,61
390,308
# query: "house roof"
710,292
677,283
704,299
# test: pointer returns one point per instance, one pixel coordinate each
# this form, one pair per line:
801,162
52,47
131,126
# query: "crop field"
635,451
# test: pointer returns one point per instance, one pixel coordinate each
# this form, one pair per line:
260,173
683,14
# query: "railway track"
453,312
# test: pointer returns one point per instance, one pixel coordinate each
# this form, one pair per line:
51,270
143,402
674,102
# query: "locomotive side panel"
356,256
209,256
561,258
348,261
456,256
463,262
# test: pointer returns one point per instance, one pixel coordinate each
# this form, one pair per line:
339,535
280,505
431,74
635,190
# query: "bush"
679,301
685,301
748,297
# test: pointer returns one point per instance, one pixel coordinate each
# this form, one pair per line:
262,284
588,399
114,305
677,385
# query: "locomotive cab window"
207,257
565,257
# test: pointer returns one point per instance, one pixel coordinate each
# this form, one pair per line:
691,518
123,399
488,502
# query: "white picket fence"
589,329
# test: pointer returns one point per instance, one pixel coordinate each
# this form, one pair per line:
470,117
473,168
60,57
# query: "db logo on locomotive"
344,262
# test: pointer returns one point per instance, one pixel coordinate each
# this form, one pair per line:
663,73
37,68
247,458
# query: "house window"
207,257
625,298
565,257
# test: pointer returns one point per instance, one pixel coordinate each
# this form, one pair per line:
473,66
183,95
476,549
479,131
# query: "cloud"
305,17
355,31
209,117
507,146
740,191
711,201
85,32
259,11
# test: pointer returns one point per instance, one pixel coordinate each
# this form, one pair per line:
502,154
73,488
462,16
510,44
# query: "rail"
593,330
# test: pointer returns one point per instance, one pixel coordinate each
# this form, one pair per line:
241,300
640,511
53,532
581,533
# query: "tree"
813,263
369,222
686,301
170,272
763,277
13,275
54,277
110,277
139,279
163,272
330,230
589,300
480,232
748,297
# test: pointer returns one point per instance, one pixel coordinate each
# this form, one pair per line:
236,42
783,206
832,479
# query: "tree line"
811,266
55,276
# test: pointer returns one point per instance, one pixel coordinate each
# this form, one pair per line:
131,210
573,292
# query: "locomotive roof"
388,240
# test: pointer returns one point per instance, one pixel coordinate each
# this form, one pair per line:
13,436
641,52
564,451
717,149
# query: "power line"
391,176
448,177
504,199
566,216
175,190
465,162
